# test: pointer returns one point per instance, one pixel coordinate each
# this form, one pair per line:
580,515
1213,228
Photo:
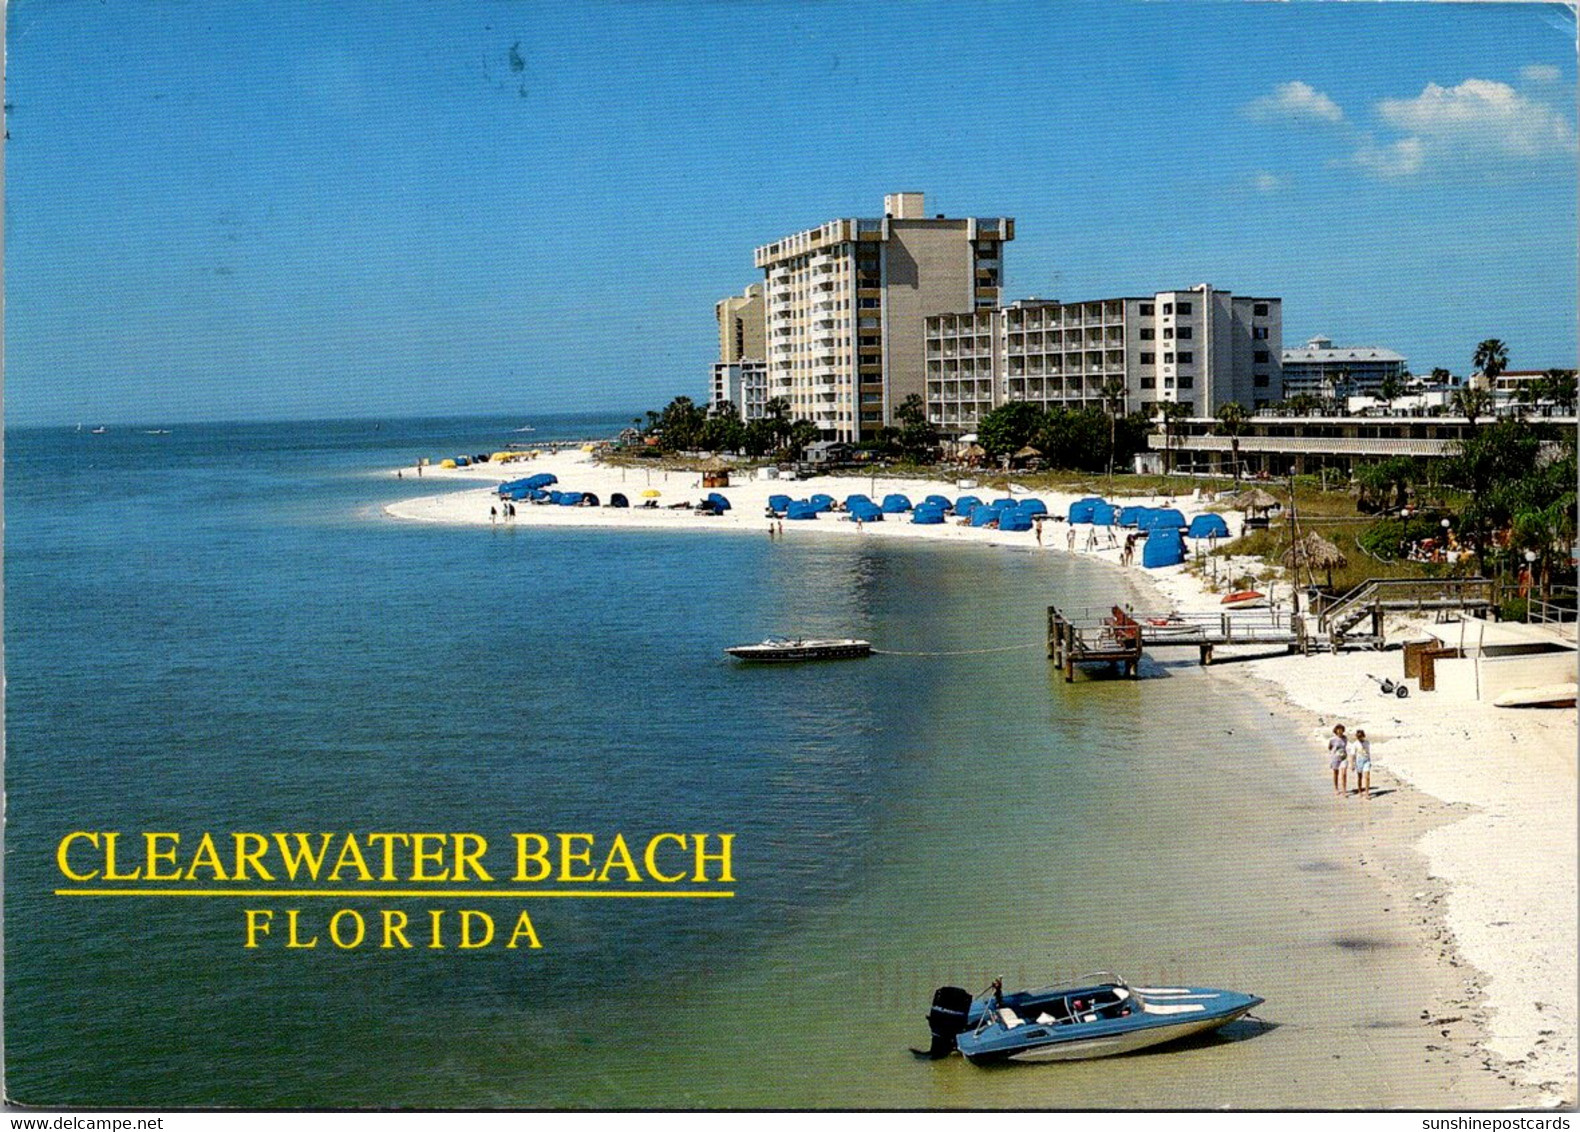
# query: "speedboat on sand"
1245,599
1098,1016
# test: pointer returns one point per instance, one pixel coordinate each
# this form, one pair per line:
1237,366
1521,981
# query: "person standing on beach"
1070,538
1361,752
1339,760
493,514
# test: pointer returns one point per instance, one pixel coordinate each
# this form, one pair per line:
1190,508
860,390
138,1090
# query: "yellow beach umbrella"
651,493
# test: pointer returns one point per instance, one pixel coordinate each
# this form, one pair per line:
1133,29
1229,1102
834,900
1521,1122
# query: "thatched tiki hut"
1027,457
1317,553
1254,500
716,472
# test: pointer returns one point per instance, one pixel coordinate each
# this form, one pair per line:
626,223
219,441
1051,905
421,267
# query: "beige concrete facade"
847,302
743,331
1201,347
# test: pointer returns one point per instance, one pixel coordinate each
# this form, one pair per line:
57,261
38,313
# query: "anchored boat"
1099,1016
797,648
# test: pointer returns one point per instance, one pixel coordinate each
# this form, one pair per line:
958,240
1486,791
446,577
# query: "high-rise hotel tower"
847,303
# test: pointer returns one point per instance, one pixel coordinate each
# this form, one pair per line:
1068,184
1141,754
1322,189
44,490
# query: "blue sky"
282,209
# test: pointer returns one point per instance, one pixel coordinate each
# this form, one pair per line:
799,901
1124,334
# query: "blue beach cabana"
542,479
822,502
852,500
718,501
1164,547
866,511
937,501
568,498
779,503
1130,516
927,515
1032,507
1208,526
896,504
1014,519
1081,509
801,509
964,504
619,500
1164,518
982,516
1105,514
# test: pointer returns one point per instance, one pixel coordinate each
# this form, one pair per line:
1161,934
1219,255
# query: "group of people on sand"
1348,753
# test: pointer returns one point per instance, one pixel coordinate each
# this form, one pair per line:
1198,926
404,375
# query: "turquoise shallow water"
217,630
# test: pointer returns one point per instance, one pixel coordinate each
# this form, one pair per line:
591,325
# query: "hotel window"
1186,381
1260,381
1261,357
1168,359
869,304
1147,334
1148,359
1168,332
1168,383
1187,357
1184,308
1259,310
1186,332
1168,308
1259,332
1149,383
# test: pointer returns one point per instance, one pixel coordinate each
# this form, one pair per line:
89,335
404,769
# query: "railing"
1338,614
1557,607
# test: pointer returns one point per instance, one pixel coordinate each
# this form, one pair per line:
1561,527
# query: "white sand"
1509,863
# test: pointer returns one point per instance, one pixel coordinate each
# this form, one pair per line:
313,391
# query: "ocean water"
217,629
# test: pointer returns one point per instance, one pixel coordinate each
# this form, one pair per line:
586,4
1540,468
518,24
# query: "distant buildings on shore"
855,316
1320,369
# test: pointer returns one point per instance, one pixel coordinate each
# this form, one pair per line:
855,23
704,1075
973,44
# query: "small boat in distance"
525,428
1099,1015
782,649
156,432
1245,599
100,431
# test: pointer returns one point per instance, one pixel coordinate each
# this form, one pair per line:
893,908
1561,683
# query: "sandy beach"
1474,822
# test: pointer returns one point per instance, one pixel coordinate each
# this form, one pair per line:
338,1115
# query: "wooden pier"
1093,639
1120,638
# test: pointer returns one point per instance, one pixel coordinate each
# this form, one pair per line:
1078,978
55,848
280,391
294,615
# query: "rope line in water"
961,652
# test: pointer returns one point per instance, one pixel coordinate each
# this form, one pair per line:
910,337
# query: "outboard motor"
947,1018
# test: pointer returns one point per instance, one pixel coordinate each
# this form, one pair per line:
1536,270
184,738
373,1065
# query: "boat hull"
1165,1015
791,653
1116,1044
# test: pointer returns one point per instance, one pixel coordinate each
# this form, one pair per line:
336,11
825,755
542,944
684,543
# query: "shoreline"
1478,851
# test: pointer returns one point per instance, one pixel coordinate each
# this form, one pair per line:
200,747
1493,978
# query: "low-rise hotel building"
1320,369
740,374
846,304
1200,347
1281,445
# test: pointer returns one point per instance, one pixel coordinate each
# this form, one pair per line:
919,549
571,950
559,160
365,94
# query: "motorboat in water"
798,648
1099,1015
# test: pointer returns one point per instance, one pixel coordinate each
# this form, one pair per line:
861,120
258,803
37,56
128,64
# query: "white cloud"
1398,159
1294,100
1267,183
1540,73
1479,118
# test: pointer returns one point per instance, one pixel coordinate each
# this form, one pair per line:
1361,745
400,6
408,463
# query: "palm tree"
1472,403
1114,402
1391,389
1231,423
1491,358
1169,411
1440,375
1559,387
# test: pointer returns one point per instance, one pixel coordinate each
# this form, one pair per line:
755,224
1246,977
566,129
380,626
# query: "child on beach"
1361,752
1339,760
